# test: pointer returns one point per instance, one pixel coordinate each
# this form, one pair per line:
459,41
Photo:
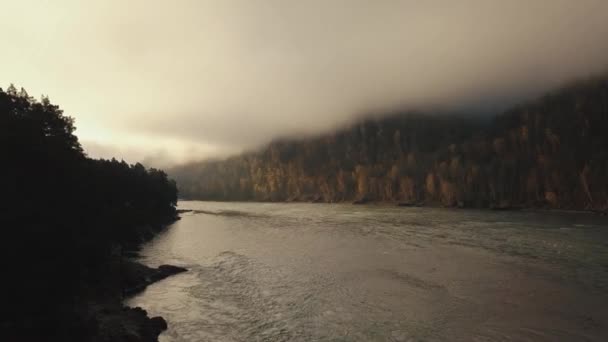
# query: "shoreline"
116,321
120,322
103,314
597,212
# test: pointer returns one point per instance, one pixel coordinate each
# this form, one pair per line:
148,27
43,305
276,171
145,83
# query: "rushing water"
325,272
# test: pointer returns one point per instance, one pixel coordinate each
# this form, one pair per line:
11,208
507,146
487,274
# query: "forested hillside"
66,221
548,153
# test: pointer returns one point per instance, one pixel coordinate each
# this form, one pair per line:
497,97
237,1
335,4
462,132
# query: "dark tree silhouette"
65,216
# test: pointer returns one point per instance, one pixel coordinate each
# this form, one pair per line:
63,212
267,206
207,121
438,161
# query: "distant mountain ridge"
548,153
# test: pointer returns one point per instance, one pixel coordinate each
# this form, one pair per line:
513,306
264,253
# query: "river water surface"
327,272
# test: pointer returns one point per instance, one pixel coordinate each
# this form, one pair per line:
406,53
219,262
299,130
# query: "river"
338,272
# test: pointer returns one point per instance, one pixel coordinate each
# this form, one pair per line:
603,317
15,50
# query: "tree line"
547,153
65,216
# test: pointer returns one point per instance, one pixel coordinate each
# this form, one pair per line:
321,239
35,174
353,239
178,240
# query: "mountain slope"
552,152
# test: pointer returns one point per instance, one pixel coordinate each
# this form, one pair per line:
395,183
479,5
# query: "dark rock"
136,277
158,324
120,323
164,271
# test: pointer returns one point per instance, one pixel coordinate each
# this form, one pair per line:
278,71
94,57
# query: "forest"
66,220
550,152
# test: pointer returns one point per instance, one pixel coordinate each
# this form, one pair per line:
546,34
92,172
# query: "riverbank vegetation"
66,219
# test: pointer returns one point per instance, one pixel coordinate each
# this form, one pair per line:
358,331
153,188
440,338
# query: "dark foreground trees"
65,217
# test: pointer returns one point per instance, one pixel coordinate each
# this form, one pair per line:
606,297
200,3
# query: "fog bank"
187,80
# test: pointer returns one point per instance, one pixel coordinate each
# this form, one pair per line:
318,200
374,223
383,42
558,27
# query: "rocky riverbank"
112,321
95,314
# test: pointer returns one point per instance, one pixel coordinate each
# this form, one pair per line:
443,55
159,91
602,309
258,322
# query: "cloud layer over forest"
189,79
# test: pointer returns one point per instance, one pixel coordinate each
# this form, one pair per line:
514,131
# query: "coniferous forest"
66,220
550,153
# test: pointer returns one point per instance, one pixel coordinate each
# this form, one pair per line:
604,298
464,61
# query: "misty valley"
422,257
549,153
278,171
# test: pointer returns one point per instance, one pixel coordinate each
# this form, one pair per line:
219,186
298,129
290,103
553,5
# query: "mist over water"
312,272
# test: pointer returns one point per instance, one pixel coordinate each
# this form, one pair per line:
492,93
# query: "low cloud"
215,77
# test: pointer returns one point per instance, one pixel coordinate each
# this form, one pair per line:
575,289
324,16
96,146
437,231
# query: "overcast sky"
177,80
